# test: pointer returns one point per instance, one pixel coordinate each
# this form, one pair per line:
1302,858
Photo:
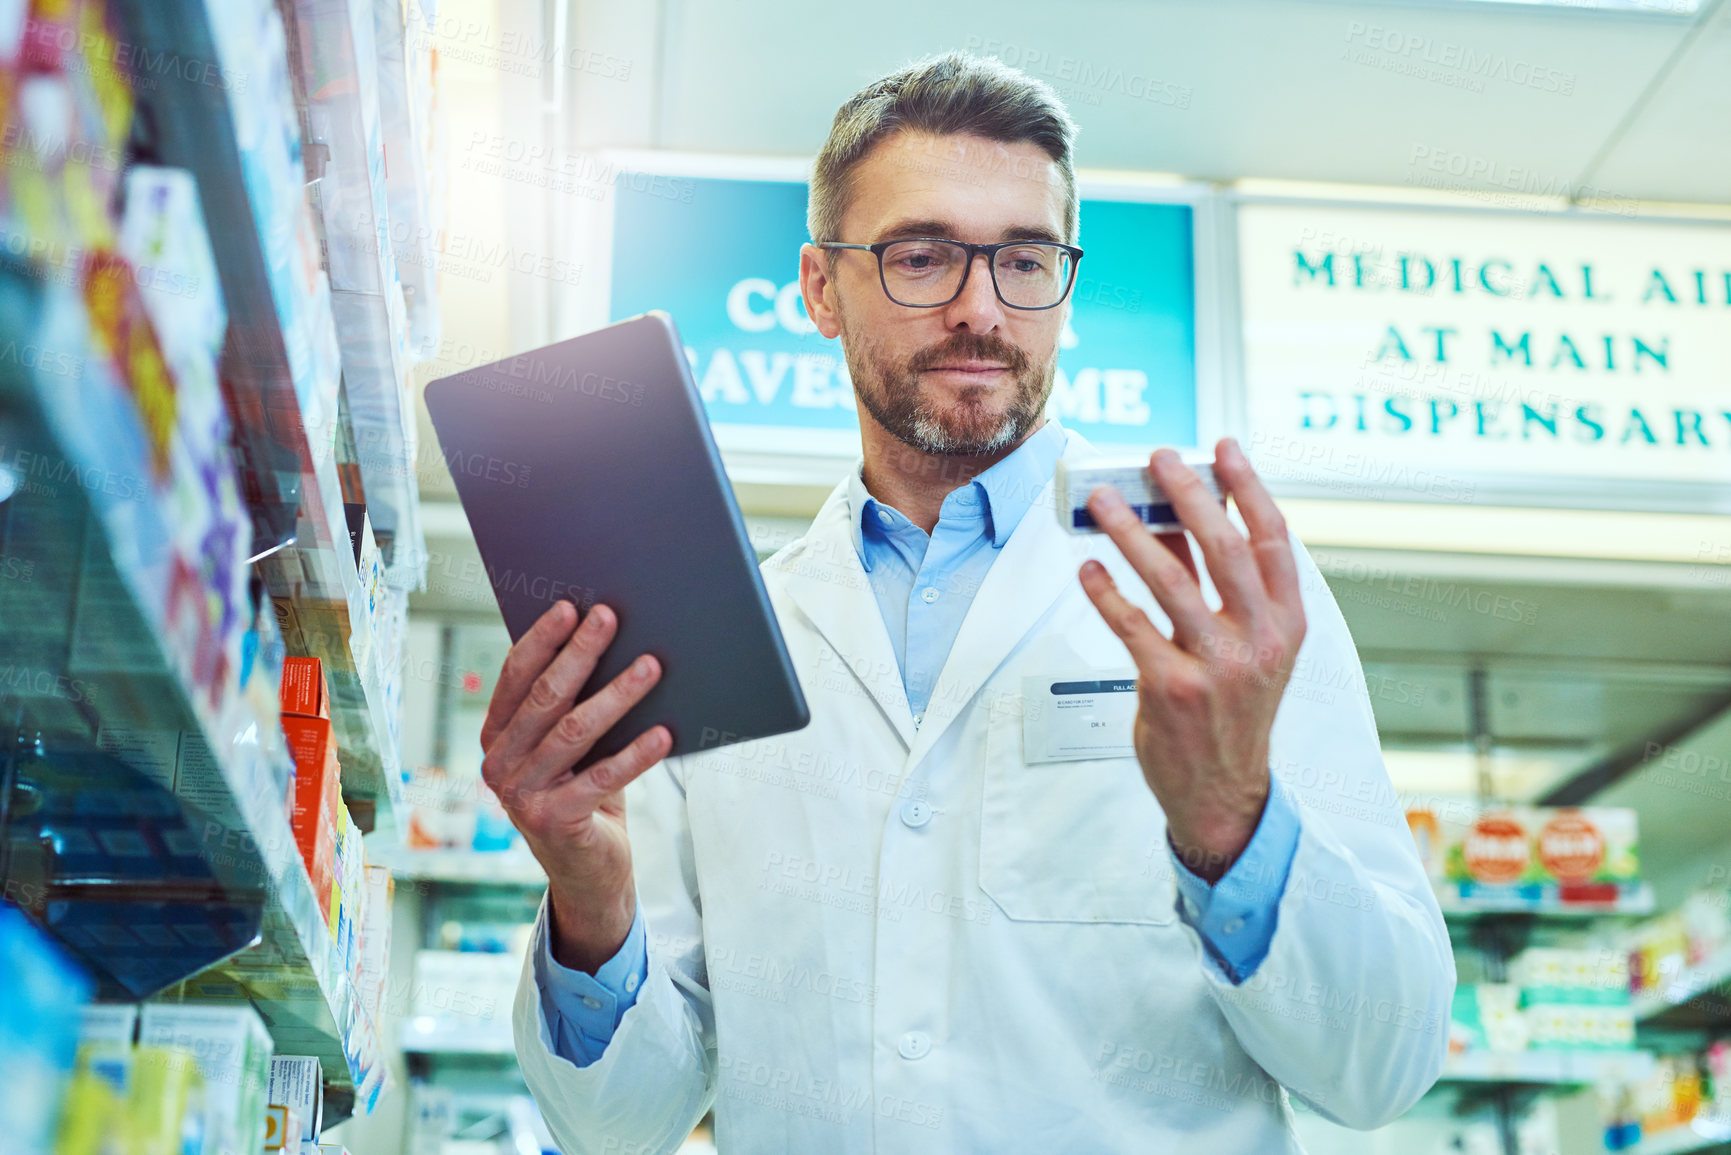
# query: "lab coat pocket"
1081,841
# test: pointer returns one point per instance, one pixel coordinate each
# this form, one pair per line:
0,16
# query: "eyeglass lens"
1029,276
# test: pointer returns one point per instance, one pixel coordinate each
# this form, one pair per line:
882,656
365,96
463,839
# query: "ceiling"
1503,97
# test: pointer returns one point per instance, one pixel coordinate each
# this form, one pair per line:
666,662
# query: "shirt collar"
1008,488
1012,484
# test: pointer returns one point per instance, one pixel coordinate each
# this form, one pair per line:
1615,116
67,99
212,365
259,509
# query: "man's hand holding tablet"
535,731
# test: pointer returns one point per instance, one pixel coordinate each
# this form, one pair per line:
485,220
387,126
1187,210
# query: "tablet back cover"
587,470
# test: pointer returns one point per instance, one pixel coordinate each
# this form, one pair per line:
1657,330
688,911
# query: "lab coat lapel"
828,583
1034,567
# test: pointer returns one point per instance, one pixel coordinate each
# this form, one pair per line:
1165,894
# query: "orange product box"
304,689
318,780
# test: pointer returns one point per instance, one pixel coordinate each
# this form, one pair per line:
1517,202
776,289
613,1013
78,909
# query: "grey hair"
955,93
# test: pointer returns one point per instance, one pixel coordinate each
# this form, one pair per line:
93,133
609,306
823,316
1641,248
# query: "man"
946,916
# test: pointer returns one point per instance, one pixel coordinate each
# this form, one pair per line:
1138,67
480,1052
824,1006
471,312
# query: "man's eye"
1022,261
919,260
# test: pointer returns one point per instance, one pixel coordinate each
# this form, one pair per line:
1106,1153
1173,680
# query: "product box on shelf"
376,940
233,1052
296,1082
282,1127
39,1022
340,917
465,988
1663,948
167,1108
1486,1017
69,109
1563,855
318,802
305,691
105,1042
1578,976
162,235
93,1110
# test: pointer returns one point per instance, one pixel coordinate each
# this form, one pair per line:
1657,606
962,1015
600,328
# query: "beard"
970,425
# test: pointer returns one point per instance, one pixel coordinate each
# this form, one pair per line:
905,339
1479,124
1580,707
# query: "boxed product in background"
318,814
376,940
297,1083
318,786
305,692
1556,999
1586,855
282,1127
233,1051
1662,949
166,1107
1486,1017
106,1034
468,989
39,1022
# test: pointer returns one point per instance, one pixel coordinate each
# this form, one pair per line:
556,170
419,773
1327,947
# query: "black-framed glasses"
928,272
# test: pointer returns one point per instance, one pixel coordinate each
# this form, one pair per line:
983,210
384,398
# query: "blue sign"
722,258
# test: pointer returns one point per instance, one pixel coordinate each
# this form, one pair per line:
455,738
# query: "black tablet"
588,471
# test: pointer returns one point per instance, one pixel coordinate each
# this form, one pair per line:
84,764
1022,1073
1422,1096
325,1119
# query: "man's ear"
817,291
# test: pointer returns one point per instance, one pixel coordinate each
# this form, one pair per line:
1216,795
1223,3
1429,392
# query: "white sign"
1408,353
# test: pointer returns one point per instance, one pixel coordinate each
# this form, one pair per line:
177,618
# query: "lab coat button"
916,813
914,1045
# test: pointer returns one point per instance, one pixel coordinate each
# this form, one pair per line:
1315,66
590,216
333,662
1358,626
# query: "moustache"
970,347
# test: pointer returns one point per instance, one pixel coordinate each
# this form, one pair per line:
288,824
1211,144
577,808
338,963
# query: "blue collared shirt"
924,584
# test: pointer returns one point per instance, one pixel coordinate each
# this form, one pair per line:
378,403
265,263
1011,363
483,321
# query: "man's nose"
977,307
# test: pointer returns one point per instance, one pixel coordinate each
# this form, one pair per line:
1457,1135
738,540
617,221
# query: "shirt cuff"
1236,917
584,1010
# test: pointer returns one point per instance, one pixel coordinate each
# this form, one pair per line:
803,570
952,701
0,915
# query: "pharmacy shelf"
429,1035
287,443
410,128
339,81
1634,903
1547,1067
296,982
1701,1134
498,868
102,662
1689,985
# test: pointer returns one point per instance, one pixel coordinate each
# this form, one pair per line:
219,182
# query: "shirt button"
592,1002
630,984
916,813
884,517
914,1045
1232,926
929,594
919,718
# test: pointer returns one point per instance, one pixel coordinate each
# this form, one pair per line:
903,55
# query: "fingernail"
601,616
1109,497
640,668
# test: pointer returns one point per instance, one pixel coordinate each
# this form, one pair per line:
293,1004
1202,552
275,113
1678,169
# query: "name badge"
1068,719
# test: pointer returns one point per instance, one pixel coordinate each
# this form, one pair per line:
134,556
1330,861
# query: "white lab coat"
836,970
